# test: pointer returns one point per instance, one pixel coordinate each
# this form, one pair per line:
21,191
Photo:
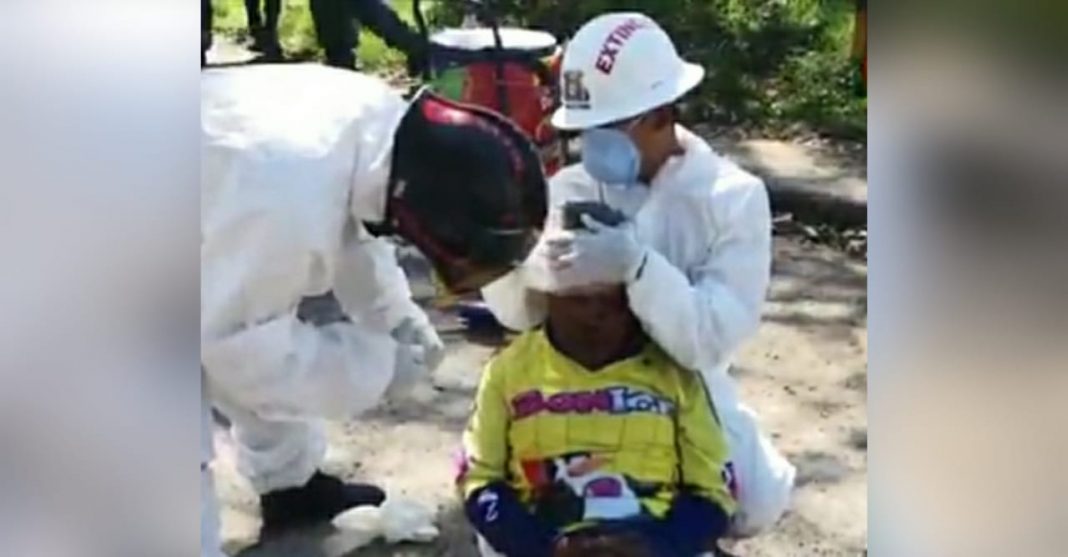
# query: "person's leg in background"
205,31
336,31
255,23
263,18
273,12
379,17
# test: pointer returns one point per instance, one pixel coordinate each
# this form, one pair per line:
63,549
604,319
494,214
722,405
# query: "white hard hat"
620,65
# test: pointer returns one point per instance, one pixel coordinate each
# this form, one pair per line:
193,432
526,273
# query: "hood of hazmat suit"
293,159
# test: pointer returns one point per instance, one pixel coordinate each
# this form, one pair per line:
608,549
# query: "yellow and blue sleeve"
485,440
703,453
493,506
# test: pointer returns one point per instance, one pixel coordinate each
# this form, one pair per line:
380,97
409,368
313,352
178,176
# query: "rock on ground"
804,373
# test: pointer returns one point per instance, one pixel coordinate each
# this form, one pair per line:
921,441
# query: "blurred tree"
771,63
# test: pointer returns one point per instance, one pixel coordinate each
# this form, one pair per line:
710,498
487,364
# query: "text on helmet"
606,59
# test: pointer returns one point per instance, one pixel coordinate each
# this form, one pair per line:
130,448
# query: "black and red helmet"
466,188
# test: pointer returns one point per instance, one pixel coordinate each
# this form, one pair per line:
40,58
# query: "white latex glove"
419,332
610,254
404,520
410,368
396,520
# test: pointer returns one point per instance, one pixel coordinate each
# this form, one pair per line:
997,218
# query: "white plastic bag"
407,521
397,520
765,478
362,525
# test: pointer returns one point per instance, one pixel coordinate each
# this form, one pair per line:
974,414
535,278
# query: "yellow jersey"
581,446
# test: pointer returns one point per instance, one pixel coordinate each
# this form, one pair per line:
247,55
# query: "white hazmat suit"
707,229
294,159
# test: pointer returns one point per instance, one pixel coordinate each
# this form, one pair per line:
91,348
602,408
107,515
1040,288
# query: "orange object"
464,65
860,38
530,103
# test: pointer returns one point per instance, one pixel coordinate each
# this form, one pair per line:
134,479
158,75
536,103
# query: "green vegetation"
779,66
775,65
297,32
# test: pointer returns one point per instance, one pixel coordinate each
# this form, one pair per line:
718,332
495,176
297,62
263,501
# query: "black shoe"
205,46
264,40
343,59
319,500
265,43
255,39
418,60
273,53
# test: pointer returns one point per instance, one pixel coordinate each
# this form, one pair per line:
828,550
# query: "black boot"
343,58
271,47
257,39
319,500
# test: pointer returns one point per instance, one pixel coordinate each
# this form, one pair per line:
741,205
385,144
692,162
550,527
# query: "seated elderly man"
587,439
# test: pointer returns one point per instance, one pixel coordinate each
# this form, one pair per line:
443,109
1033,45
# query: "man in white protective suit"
304,168
695,251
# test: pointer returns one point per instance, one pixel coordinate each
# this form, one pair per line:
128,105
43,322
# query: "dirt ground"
804,374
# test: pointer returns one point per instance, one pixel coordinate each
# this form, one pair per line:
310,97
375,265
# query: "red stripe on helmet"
441,111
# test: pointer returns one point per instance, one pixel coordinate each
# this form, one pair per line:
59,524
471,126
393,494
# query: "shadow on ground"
447,409
819,290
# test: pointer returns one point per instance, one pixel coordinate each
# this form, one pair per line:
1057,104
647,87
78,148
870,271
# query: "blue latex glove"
477,315
603,253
